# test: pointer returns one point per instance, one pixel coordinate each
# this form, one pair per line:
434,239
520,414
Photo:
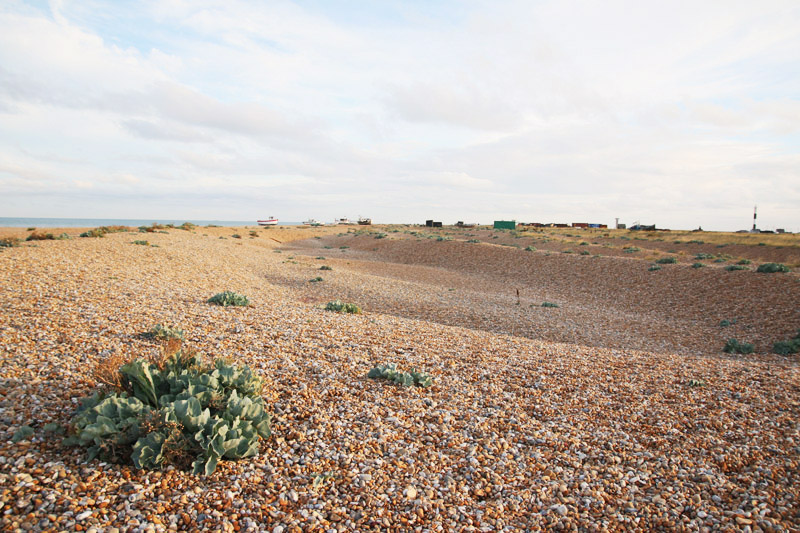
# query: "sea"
13,222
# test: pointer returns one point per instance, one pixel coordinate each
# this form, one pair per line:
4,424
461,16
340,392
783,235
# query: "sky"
680,113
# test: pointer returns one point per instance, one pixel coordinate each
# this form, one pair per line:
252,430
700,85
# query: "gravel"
518,432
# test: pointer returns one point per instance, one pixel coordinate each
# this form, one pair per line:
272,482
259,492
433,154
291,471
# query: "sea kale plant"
734,346
165,332
788,347
229,298
178,411
342,307
406,379
772,268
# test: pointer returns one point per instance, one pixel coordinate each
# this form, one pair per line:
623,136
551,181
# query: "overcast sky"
682,114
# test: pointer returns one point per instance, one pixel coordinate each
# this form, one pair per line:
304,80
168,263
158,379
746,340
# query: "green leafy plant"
530,248
325,267
703,255
787,347
229,298
165,332
549,304
695,383
406,379
22,433
9,242
182,412
316,280
654,267
731,268
36,236
96,232
631,249
341,307
141,243
236,236
743,262
666,260
724,323
320,257
734,346
697,265
253,233
772,268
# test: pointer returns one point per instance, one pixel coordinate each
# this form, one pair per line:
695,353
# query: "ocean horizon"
39,222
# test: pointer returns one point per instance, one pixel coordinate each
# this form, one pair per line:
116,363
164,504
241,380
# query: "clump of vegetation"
443,238
315,280
320,257
39,236
731,268
236,236
631,249
187,226
341,307
724,323
530,248
549,304
9,242
141,243
654,267
96,233
406,379
697,265
585,252
666,260
229,298
253,233
734,346
743,262
772,268
179,411
380,235
165,332
325,267
476,241
788,347
695,383
703,255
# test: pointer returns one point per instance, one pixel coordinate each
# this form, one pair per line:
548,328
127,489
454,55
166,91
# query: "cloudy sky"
679,113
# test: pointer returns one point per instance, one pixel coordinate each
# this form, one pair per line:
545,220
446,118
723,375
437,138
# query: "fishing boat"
271,221
343,221
363,221
313,222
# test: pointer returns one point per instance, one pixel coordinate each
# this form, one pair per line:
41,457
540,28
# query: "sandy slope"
517,433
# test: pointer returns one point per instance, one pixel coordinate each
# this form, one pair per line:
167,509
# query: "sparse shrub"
344,247
666,261
631,249
731,268
788,347
697,265
380,235
719,260
96,233
476,240
585,252
567,252
181,412
743,262
315,280
703,255
696,242
229,298
654,267
236,236
325,267
9,242
549,304
341,307
22,433
31,229
734,346
771,268
530,248
320,257
187,226
584,243
406,379
724,323
254,233
141,243
442,238
63,237
40,237
695,383
165,332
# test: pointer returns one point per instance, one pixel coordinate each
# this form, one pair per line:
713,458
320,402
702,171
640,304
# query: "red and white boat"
271,221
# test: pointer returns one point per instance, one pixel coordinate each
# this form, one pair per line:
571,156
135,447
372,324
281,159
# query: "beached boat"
313,222
271,221
363,221
343,221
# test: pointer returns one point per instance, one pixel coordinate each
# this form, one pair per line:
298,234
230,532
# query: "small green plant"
320,257
380,235
187,226
254,233
734,346
476,241
549,304
586,252
165,332
787,347
22,433
229,298
344,247
141,243
703,255
698,265
631,249
695,383
40,237
9,242
654,267
666,260
236,236
178,411
341,307
724,323
743,262
530,248
731,268
771,268
30,229
325,267
96,232
406,379
315,280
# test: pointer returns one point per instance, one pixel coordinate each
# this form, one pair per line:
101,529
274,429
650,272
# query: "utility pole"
754,218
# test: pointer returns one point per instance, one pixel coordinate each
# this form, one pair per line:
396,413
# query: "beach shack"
505,224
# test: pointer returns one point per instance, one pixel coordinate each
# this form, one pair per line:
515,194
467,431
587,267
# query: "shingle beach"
616,410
